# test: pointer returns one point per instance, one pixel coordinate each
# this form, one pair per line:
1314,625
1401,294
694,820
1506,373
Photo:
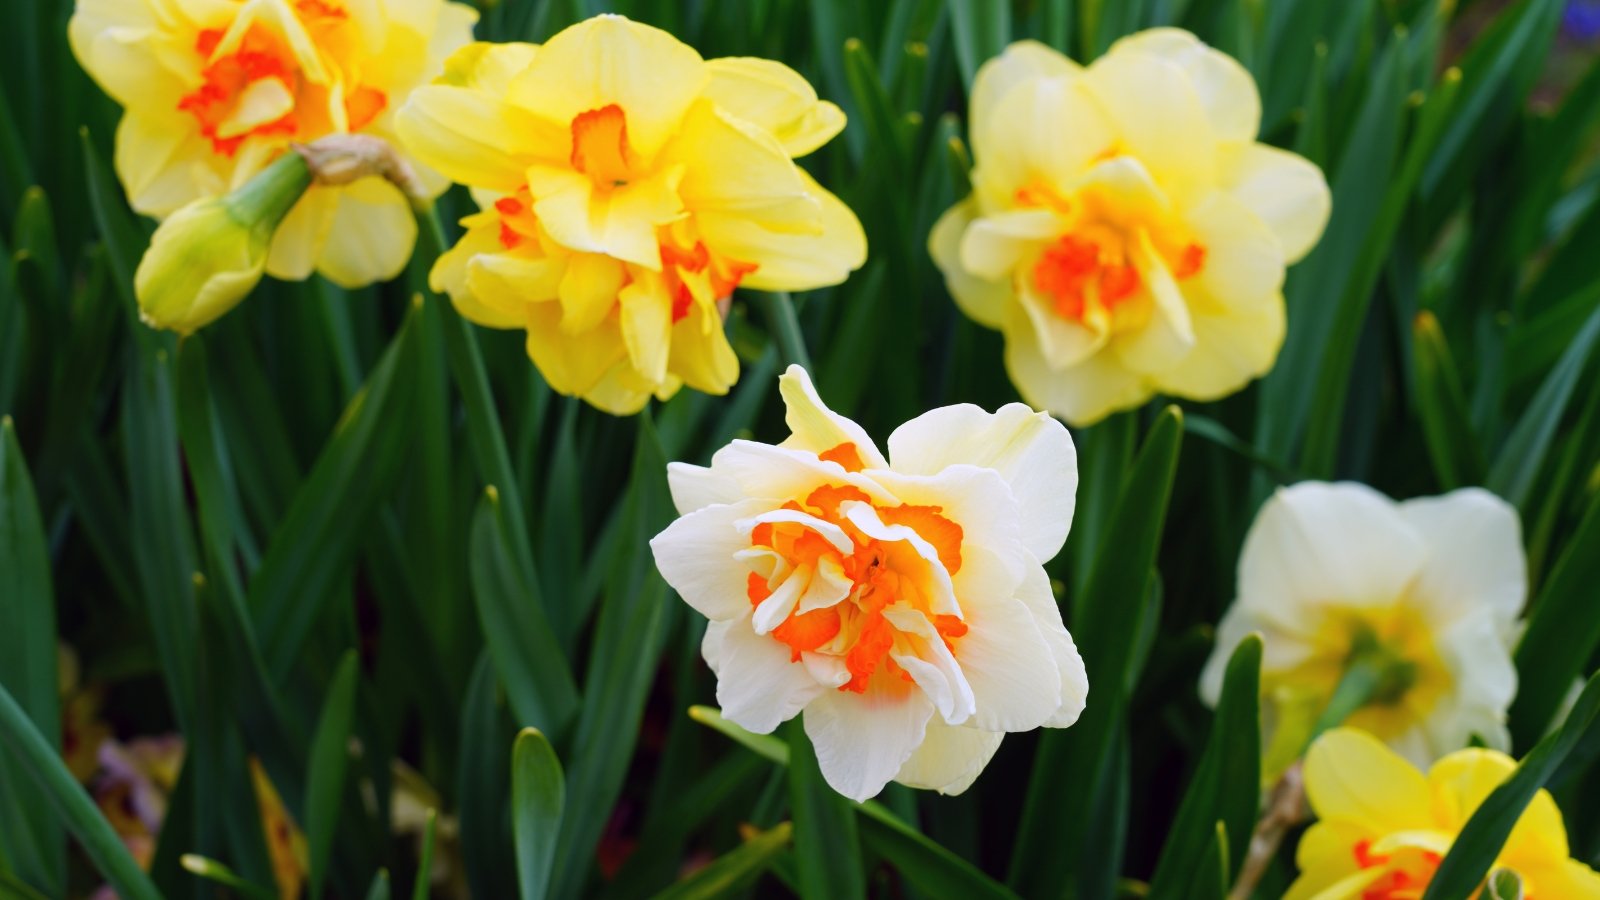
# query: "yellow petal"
259,103
299,239
1353,778
470,135
983,300
1225,87
1169,335
572,363
1464,779
500,288
589,290
1158,118
735,168
646,313
816,428
371,234
608,59
994,244
787,261
776,98
1022,61
1082,393
163,162
700,354
1045,129
1287,193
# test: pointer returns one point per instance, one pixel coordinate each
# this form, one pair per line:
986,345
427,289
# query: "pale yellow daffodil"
628,186
1383,827
899,600
213,91
1425,593
1125,231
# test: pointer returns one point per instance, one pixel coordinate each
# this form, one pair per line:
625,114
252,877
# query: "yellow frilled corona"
627,186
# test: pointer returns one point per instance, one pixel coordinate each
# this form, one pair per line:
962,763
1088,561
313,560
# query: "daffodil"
627,187
1125,231
898,600
1422,596
1383,827
213,91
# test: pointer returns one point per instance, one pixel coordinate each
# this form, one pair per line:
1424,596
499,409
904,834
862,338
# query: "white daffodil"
902,605
1423,595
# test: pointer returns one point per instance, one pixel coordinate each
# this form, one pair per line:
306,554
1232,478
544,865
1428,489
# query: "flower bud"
208,255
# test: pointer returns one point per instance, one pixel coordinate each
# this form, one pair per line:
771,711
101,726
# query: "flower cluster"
628,186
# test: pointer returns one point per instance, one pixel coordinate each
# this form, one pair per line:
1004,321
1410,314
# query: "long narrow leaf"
330,756
538,797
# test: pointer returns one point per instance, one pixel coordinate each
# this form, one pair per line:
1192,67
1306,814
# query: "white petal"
772,611
922,652
1031,451
783,474
758,686
695,554
817,428
1013,672
711,644
829,585
984,301
695,487
1475,651
1318,543
862,740
1036,595
1475,559
980,501
950,758
830,532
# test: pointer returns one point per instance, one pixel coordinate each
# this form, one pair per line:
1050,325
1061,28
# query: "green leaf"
163,539
421,888
629,636
330,756
1479,843
733,871
78,812
1226,783
1563,632
922,862
1109,618
211,870
379,889
1521,459
124,237
521,643
316,543
29,835
982,29
483,784
1442,404
825,842
538,793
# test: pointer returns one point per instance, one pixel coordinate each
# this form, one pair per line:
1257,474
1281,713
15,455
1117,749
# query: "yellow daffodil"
628,186
1383,827
1424,595
1125,231
900,601
214,90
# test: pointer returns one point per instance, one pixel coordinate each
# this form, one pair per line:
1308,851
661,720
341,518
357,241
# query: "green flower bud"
207,256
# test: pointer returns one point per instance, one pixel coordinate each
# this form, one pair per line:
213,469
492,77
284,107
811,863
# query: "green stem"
778,307
484,433
1356,689
74,807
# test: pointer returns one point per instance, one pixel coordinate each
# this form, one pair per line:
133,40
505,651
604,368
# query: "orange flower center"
1409,872
258,88
600,146
881,573
1090,267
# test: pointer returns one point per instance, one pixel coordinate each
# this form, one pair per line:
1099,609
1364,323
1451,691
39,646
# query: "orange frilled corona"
214,91
898,601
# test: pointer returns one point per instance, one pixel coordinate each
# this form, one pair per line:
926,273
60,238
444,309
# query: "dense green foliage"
357,539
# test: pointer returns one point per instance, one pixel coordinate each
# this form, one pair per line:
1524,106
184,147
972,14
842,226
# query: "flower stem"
778,307
484,433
